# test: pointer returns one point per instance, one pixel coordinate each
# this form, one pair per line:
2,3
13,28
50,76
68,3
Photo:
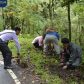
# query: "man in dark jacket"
71,55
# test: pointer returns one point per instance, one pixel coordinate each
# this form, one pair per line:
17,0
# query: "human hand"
18,58
61,64
65,67
18,54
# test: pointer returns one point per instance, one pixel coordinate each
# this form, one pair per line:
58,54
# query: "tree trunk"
69,20
3,18
51,2
50,13
12,22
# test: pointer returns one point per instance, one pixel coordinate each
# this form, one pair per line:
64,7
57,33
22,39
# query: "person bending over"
6,36
38,42
51,36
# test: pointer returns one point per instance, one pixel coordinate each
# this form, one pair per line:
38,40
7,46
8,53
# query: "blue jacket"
53,33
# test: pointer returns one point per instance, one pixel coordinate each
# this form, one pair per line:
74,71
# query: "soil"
68,75
27,75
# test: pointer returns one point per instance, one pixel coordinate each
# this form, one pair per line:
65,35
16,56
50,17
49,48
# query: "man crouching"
71,55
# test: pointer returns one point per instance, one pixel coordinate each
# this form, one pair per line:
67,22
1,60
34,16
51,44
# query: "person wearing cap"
5,36
71,55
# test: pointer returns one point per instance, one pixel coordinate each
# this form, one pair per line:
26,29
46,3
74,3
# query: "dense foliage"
33,15
46,68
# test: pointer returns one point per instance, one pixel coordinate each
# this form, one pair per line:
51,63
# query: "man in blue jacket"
51,36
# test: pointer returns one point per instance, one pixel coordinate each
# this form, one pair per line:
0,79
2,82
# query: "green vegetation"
41,64
37,59
33,15
67,16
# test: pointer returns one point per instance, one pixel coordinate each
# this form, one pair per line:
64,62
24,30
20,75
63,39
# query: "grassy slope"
38,60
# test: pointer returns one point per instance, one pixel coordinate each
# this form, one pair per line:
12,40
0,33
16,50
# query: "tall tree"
69,20
67,3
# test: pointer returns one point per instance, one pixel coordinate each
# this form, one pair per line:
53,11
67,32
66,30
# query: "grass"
40,63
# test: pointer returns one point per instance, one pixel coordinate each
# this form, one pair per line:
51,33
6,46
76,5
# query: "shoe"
8,67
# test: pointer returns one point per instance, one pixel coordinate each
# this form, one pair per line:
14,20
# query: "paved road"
5,77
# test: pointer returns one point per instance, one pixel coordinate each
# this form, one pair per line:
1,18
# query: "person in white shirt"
38,42
6,36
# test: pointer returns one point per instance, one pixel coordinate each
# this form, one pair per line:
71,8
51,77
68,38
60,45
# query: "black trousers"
7,54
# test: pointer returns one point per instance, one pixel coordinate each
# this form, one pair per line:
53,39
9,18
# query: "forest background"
67,16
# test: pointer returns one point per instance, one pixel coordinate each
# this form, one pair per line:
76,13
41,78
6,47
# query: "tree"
67,3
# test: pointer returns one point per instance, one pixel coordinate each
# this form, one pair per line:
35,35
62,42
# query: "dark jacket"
75,54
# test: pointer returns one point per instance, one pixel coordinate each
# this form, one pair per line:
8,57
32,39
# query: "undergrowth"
40,62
